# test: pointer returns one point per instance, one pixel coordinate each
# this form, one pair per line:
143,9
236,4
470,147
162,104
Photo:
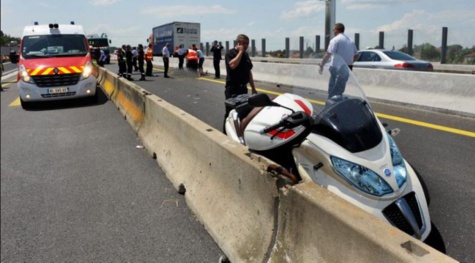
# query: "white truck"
176,34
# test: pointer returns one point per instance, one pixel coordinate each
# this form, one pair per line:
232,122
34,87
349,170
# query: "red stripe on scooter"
303,106
283,135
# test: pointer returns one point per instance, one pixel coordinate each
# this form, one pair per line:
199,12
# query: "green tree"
5,39
452,52
429,52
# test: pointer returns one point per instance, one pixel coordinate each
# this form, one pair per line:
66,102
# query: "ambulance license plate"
57,90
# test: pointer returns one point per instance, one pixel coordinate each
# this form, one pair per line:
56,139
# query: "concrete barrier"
250,217
228,191
317,226
127,96
442,92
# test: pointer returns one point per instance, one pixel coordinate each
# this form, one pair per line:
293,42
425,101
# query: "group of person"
129,58
239,65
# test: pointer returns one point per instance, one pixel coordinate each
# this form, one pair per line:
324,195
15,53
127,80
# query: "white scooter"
338,143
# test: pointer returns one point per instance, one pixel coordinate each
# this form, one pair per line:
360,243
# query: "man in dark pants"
141,58
121,62
216,49
238,70
148,59
129,62
166,59
181,56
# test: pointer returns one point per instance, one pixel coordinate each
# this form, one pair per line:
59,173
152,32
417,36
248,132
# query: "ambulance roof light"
72,22
36,23
53,25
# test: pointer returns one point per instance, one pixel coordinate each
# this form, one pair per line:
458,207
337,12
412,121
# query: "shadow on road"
72,103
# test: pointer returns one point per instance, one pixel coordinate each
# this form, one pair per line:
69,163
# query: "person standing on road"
102,58
238,71
181,56
141,58
343,46
129,61
201,61
121,61
135,55
166,59
216,49
149,59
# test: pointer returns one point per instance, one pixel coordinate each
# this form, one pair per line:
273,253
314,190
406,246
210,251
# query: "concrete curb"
239,203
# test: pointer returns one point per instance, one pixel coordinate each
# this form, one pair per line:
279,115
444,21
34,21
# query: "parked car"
390,59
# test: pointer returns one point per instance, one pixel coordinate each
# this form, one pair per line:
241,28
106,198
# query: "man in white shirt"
135,55
166,59
342,46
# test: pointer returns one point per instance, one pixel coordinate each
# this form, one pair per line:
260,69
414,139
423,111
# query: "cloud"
428,26
304,9
102,2
373,4
186,10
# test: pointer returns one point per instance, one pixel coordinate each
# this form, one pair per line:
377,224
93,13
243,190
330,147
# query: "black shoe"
167,77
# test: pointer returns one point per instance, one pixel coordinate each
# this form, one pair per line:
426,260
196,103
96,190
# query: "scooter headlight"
361,177
87,70
25,76
400,170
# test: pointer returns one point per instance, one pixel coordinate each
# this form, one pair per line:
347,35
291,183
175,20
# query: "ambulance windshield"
53,46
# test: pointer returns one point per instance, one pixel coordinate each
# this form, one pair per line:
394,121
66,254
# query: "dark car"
390,59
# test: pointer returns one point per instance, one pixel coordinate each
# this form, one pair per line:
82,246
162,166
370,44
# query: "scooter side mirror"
261,100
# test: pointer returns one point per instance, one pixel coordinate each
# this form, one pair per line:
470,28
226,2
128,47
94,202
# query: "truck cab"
55,64
100,42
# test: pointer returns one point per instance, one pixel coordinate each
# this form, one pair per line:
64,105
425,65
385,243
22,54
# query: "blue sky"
131,21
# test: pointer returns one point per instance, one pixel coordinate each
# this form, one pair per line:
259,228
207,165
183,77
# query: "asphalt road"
433,143
75,188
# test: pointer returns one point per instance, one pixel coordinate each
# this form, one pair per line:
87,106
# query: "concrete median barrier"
245,208
126,95
227,189
317,226
443,92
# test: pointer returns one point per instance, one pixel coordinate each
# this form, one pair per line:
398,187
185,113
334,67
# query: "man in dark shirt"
238,70
216,49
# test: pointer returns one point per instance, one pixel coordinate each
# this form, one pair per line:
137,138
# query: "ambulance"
55,64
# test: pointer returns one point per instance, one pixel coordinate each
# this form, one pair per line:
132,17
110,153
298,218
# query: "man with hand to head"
238,69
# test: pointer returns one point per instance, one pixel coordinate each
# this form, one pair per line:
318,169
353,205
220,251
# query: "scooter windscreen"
341,110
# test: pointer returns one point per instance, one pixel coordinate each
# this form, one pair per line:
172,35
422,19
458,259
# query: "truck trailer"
176,34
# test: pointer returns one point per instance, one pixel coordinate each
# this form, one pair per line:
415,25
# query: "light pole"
330,7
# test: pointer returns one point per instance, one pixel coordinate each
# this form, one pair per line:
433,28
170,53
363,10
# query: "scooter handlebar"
272,127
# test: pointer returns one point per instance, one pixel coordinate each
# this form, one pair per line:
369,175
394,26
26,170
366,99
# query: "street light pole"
330,7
